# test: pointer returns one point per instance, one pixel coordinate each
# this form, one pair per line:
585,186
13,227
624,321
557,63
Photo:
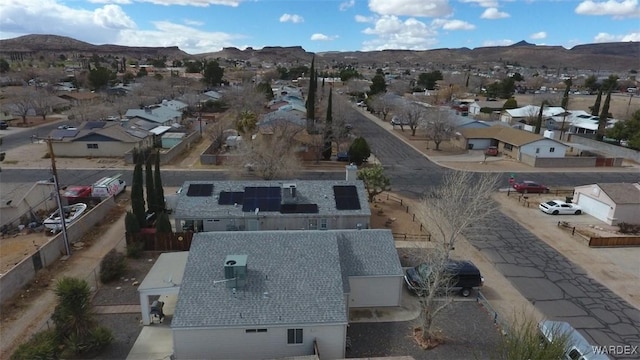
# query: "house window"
92,146
248,331
537,150
323,224
508,147
294,336
552,150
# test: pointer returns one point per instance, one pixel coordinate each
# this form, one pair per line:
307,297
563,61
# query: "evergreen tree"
157,184
539,119
359,151
131,224
148,181
378,85
311,96
137,191
565,97
595,110
328,132
163,224
604,115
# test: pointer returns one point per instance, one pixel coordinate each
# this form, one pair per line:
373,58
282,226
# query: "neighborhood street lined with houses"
258,263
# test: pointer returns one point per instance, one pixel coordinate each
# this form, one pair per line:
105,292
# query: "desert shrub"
42,346
112,266
626,228
134,249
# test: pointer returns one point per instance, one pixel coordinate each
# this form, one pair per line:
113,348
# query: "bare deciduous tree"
462,201
20,102
243,101
384,104
414,115
438,126
272,154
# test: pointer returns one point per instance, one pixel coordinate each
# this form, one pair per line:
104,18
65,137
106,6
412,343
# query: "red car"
76,194
530,187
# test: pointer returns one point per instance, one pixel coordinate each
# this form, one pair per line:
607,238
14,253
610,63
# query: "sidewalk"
81,264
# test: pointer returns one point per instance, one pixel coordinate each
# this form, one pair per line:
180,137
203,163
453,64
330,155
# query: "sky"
200,26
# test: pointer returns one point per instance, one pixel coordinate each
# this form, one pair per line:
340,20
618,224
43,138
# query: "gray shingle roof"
622,193
294,277
298,270
318,192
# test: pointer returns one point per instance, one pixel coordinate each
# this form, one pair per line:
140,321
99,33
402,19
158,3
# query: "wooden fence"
424,233
614,241
150,241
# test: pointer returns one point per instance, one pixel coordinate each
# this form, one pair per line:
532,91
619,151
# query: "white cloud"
347,5
504,42
188,39
364,19
119,2
420,8
615,8
605,37
538,35
193,22
112,17
494,13
453,24
291,18
322,37
99,26
483,3
196,3
393,33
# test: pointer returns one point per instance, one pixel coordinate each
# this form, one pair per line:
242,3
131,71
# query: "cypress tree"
157,184
596,107
148,182
602,122
311,96
137,191
163,224
328,133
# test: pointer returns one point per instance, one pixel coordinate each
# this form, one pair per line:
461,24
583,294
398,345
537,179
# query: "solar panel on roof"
230,197
299,209
346,197
265,198
200,190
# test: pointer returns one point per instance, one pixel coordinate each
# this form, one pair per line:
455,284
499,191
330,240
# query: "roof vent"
289,193
235,271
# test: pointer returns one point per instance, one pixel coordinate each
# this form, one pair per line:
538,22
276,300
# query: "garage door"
593,207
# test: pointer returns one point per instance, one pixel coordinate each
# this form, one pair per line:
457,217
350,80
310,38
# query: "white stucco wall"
236,343
544,147
374,291
289,222
629,213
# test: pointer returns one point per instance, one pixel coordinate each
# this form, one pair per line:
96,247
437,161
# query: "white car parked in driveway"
556,207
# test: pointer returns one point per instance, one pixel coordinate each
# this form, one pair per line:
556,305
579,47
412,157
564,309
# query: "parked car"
464,275
67,127
342,156
108,186
577,346
395,120
4,125
77,193
556,207
530,187
491,151
361,103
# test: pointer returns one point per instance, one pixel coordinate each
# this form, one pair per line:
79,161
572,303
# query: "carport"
164,278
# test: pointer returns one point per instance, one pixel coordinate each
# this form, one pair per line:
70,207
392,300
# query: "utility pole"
58,199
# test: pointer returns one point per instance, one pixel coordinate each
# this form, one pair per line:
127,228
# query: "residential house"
612,203
77,98
582,122
158,114
175,105
98,139
273,205
213,95
522,114
511,142
463,122
492,106
274,294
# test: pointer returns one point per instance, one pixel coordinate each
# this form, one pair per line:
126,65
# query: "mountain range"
615,57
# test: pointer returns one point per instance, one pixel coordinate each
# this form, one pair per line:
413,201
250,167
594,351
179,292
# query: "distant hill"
56,45
620,56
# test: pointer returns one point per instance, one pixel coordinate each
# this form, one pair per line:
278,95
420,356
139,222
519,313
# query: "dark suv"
4,125
464,276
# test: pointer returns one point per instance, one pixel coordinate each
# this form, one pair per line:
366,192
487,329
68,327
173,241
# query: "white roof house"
158,114
514,115
175,104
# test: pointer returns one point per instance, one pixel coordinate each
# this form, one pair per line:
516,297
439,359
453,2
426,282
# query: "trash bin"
156,310
568,199
470,146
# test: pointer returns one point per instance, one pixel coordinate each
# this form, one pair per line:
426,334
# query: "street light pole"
58,199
